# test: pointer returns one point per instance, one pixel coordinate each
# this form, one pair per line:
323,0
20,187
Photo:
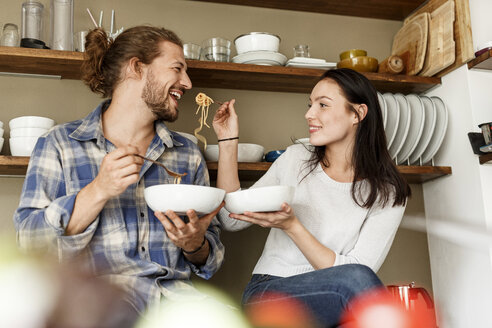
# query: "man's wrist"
197,249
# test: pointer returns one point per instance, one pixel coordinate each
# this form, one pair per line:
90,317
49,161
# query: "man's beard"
157,99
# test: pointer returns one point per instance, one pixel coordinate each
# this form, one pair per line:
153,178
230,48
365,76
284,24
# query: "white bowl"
27,132
189,136
1,132
1,143
245,153
22,146
257,41
263,199
31,122
180,198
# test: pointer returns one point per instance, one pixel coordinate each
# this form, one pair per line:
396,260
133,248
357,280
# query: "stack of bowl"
1,135
25,131
357,60
217,49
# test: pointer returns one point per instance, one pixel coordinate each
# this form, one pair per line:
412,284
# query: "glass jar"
301,50
32,20
62,25
10,36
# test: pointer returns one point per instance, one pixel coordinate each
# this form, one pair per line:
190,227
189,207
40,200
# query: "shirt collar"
91,128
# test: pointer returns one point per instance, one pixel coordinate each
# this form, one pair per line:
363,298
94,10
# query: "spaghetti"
203,101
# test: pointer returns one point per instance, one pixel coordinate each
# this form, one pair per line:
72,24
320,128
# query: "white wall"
461,276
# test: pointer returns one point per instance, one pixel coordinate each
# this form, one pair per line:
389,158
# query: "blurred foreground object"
277,310
380,309
39,292
203,307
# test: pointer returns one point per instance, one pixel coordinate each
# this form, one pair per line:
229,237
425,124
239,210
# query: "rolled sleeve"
215,256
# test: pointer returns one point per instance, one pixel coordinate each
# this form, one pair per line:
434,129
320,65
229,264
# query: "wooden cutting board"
441,46
462,30
410,43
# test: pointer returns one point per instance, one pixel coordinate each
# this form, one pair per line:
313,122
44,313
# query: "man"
83,195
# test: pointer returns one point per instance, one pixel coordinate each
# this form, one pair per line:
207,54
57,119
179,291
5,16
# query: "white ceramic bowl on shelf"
1,143
263,199
31,122
27,132
257,41
180,198
1,125
1,132
22,146
246,153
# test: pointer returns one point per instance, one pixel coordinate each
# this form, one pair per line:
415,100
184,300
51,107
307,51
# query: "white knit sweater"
326,208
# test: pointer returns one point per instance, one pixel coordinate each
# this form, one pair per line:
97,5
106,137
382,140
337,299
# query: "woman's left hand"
284,219
226,122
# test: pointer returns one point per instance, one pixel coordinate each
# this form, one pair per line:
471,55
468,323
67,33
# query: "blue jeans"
325,292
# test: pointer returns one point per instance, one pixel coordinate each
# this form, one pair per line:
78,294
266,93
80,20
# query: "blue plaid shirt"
126,242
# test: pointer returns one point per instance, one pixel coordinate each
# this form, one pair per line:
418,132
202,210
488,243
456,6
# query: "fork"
171,173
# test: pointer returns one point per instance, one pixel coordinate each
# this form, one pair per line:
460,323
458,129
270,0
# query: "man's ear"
362,111
134,69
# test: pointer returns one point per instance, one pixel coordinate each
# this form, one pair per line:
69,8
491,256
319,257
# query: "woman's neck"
340,166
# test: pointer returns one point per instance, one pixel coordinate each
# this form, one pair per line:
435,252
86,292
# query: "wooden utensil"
171,173
461,31
391,65
441,45
412,38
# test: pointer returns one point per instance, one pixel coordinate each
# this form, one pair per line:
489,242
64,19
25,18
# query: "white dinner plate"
429,125
393,117
439,131
382,104
260,57
403,125
417,111
319,66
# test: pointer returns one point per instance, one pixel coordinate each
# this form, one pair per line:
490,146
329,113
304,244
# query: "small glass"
10,36
192,51
32,20
301,50
79,41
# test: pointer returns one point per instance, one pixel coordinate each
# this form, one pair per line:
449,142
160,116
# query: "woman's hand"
226,123
284,219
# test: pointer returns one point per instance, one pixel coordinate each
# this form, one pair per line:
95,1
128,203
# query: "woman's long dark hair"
370,158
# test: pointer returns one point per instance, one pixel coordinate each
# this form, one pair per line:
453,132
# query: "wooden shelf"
485,159
383,9
209,74
484,61
11,165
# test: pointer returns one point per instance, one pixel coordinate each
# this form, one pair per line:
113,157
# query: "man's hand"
119,169
187,236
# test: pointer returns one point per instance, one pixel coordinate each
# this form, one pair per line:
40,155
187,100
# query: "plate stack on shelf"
259,48
25,131
307,62
1,135
414,126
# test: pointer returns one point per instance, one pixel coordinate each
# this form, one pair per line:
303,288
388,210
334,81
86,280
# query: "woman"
349,200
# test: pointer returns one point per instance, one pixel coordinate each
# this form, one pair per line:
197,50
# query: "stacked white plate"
25,131
1,135
268,58
414,126
307,62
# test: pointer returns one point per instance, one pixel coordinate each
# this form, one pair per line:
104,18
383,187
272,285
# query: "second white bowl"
1,143
257,41
31,122
22,146
263,199
246,153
